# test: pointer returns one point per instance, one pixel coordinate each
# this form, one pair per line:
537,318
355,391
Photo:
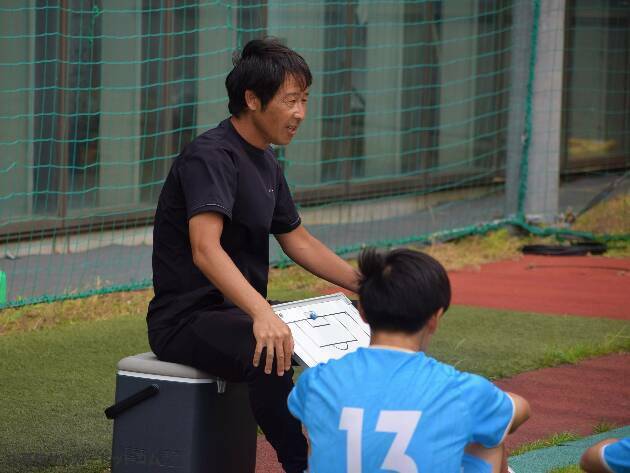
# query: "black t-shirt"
217,172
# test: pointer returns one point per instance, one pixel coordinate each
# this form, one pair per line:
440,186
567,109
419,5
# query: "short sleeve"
285,215
209,182
617,456
297,397
491,410
473,464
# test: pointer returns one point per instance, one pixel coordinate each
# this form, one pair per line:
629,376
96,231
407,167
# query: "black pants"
221,342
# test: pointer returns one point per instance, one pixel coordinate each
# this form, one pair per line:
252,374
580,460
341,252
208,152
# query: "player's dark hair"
262,67
400,290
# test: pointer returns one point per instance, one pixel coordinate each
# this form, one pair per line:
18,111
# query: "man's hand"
273,334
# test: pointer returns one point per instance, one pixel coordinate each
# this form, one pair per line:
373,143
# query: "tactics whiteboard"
323,328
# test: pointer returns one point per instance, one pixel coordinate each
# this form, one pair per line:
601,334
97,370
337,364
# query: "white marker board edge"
301,353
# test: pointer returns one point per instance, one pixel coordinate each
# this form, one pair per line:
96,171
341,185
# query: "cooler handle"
114,411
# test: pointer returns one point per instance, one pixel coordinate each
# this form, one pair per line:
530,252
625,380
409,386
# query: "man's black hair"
400,290
262,67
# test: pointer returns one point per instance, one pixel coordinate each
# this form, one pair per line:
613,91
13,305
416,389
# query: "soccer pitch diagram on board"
323,328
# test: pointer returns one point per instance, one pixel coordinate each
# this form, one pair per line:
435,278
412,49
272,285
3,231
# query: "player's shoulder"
335,364
473,388
376,362
333,367
437,368
463,382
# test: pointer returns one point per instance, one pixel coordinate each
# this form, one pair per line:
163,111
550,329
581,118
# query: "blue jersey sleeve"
491,410
472,464
297,397
617,456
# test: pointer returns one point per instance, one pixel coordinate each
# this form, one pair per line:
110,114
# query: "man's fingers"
257,353
280,358
269,358
288,352
273,337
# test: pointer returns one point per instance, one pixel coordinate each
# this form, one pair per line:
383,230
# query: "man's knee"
255,373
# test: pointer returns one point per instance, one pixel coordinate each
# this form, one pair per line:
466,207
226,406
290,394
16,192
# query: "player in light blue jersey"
607,456
392,408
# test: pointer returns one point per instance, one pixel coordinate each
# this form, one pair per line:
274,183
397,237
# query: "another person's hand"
273,334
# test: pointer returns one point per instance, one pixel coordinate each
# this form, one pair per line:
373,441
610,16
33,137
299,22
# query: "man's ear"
361,312
252,101
434,321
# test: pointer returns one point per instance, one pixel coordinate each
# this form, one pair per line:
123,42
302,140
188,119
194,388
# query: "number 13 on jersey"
401,423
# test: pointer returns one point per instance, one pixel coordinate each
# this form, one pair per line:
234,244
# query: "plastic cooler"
175,418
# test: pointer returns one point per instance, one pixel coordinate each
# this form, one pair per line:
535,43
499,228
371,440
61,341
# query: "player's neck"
400,340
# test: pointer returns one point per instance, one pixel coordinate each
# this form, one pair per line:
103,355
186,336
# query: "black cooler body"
175,418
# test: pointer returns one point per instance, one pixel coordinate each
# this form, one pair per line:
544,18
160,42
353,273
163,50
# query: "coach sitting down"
223,197
390,407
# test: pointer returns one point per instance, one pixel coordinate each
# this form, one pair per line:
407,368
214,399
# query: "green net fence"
427,119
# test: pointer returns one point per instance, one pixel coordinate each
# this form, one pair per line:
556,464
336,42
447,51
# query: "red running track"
572,398
588,286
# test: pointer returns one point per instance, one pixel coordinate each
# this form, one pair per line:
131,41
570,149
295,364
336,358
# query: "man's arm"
592,461
269,331
317,258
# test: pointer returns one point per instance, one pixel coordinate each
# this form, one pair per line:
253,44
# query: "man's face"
279,121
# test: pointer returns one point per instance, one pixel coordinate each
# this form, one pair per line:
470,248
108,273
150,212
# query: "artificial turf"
56,382
563,456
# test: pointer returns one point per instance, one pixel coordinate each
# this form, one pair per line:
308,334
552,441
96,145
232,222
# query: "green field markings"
57,381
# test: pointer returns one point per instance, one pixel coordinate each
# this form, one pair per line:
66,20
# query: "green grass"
567,469
608,217
604,426
551,441
55,385
499,343
57,381
92,466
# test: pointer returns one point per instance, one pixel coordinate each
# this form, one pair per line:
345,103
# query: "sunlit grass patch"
473,251
604,426
617,341
52,314
610,217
